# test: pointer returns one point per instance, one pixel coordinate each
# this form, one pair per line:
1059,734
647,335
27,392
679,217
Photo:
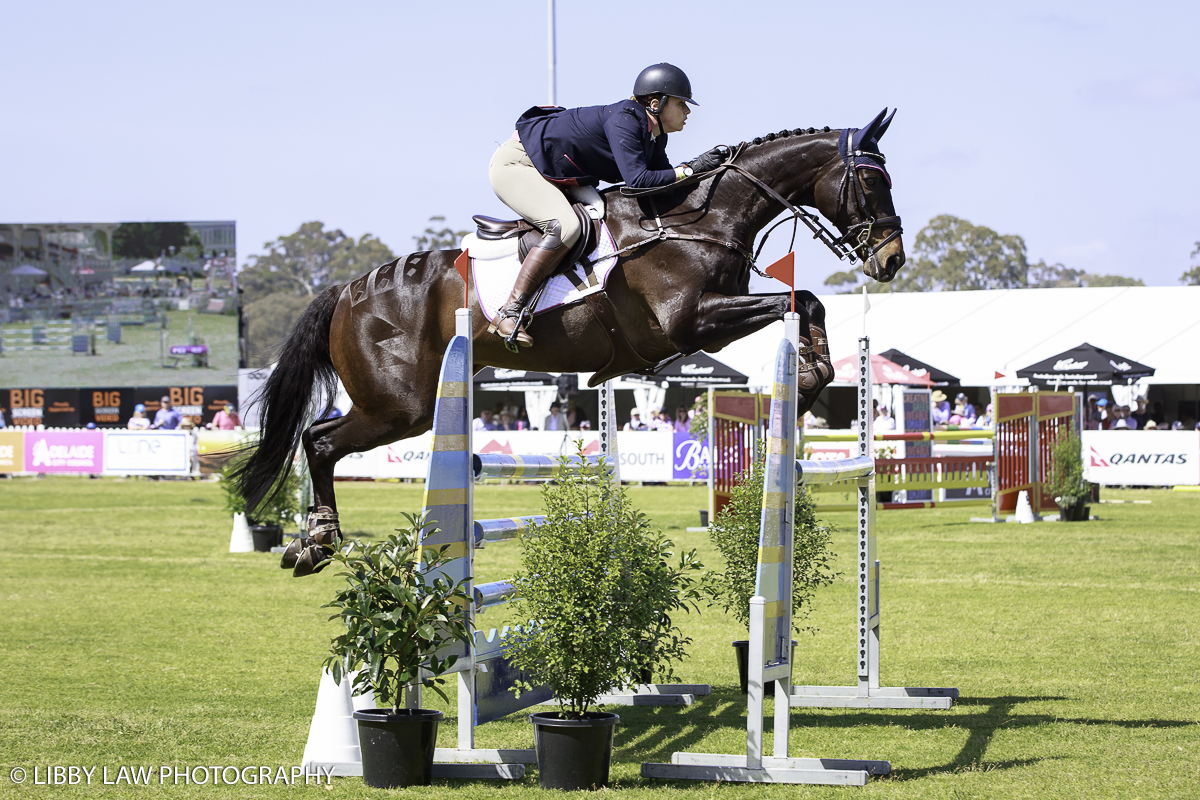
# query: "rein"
859,233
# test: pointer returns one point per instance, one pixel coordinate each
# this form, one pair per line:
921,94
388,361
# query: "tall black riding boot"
539,264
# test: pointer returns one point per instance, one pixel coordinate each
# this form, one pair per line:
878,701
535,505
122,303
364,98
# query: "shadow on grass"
656,733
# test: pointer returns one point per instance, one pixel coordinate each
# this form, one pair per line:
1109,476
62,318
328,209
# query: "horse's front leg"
720,319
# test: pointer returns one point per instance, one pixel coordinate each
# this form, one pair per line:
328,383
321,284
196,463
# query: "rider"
555,147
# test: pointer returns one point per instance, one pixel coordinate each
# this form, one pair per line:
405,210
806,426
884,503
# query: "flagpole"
551,47
866,308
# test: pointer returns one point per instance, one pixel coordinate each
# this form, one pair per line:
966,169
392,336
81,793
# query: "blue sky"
1070,124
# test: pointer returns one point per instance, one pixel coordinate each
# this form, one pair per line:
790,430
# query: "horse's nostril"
894,262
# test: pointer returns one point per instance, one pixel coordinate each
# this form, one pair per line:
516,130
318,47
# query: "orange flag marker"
785,270
463,265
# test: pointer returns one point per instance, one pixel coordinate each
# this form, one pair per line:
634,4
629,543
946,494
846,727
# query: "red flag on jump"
463,265
998,374
785,270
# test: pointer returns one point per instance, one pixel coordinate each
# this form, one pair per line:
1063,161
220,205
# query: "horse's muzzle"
883,269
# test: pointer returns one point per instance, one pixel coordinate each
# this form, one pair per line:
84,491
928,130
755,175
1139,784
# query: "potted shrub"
398,612
267,521
600,591
735,534
1064,479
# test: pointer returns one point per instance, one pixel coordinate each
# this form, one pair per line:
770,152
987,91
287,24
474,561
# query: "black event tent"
939,377
698,369
498,379
1085,365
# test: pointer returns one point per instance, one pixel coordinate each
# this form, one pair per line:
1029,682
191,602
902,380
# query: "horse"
680,285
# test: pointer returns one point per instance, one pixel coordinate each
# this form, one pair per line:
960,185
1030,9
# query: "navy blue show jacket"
596,143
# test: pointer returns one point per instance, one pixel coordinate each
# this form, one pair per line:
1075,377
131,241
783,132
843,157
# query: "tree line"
952,254
278,286
948,254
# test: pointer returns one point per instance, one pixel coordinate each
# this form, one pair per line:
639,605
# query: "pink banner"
64,451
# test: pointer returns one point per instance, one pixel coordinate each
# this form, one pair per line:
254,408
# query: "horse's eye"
870,182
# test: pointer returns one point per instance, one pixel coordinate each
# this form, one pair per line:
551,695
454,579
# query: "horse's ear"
870,133
883,126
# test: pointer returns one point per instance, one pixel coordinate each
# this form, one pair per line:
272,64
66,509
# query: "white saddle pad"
494,276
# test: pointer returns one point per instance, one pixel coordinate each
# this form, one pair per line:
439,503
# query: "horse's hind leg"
325,443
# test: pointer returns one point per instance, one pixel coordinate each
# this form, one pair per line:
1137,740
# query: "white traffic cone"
1024,510
333,735
240,540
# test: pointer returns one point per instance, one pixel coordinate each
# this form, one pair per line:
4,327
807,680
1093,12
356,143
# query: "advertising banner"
362,465
915,415
64,451
214,448
407,458
107,408
53,408
148,452
689,459
1142,458
200,403
646,455
12,451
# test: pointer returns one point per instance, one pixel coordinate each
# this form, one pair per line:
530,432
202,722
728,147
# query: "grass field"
132,637
134,362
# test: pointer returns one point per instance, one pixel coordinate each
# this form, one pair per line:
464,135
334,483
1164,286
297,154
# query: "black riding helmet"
663,79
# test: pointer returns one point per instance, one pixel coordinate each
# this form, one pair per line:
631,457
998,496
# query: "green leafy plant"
234,502
735,533
279,509
399,612
600,590
1064,478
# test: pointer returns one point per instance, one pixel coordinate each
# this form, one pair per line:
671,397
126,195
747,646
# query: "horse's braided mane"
770,137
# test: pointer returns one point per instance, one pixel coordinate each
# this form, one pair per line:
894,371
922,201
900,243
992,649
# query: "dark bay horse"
384,334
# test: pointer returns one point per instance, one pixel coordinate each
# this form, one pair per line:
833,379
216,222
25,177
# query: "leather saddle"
492,229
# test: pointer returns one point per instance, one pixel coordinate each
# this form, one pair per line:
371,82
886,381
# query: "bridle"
859,233
854,244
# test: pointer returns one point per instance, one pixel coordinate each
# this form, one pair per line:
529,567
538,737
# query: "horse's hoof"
292,552
312,560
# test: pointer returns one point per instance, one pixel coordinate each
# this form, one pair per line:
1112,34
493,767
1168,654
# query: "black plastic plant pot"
1075,510
573,753
741,649
266,536
397,746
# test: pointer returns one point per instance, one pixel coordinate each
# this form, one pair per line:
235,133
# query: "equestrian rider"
556,147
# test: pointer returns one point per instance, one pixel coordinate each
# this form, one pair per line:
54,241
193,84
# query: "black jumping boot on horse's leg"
540,262
311,554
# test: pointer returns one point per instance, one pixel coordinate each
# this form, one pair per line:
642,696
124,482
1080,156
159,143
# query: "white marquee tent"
974,335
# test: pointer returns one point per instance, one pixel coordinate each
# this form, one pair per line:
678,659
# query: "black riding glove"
710,160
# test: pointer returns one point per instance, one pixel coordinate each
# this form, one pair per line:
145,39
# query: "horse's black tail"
302,387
